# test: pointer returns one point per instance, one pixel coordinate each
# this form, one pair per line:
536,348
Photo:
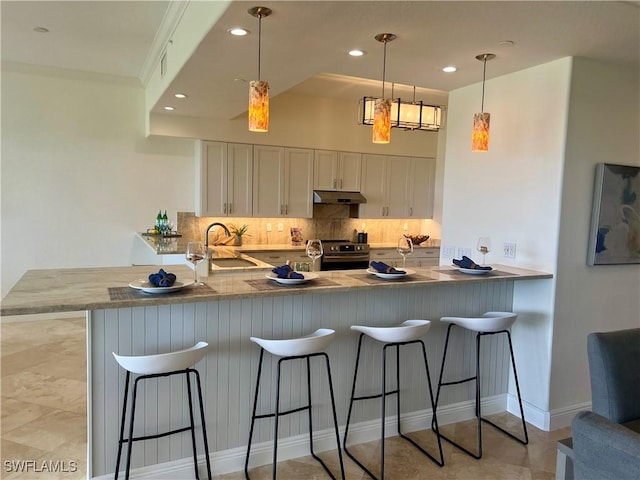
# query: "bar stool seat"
489,323
162,365
301,348
407,333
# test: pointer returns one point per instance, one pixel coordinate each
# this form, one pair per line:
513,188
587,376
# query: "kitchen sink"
233,262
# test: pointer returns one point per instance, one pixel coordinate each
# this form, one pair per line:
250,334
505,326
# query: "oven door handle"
345,258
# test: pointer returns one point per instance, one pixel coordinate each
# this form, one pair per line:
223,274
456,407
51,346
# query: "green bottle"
165,224
159,221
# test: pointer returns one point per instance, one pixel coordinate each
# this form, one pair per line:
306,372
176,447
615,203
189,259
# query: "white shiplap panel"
229,370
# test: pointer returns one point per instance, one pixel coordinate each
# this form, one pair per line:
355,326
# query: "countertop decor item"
238,231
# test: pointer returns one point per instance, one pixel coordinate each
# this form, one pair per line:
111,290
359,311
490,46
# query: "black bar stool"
303,348
490,323
407,333
162,365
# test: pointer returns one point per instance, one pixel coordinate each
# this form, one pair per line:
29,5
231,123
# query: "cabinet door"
421,188
239,180
268,181
325,170
373,186
397,179
298,184
211,179
349,170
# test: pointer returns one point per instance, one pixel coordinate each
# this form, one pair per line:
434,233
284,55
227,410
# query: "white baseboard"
547,421
562,417
232,460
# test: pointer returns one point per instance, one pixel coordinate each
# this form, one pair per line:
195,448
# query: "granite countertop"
78,289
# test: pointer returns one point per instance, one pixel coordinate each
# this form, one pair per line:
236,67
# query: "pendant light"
382,106
480,137
259,90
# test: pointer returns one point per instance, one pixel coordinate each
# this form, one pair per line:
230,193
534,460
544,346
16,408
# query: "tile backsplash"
379,231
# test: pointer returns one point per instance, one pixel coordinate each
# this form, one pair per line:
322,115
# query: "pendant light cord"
259,42
384,66
484,73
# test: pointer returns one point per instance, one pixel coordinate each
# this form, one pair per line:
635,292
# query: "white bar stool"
162,365
407,333
312,345
490,323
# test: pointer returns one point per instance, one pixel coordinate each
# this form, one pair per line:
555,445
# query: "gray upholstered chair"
606,442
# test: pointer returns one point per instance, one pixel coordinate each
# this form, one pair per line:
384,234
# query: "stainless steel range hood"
338,198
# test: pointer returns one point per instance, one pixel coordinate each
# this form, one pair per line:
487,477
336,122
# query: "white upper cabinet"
224,179
339,171
397,187
421,187
283,182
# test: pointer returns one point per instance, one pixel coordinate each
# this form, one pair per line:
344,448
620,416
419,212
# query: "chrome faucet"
227,233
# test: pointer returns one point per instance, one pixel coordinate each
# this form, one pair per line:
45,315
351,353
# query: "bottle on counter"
159,221
165,224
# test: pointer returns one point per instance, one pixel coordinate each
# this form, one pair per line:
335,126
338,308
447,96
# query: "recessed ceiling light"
180,95
449,69
41,29
357,53
238,32
169,109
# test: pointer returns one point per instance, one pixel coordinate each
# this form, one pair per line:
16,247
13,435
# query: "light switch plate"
448,251
464,252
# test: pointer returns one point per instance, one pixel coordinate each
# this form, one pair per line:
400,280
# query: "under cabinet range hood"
338,198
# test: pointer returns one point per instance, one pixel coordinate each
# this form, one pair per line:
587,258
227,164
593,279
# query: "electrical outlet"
464,252
280,227
448,251
268,227
405,227
509,250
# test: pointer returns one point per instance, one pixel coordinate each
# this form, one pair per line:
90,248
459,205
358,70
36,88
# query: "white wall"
604,126
78,176
534,187
512,194
301,121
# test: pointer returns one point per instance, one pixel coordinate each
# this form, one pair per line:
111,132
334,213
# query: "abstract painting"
614,237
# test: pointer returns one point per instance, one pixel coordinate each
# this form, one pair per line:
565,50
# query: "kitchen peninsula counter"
231,308
78,289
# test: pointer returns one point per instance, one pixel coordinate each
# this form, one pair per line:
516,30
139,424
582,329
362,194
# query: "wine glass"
195,254
405,247
484,247
314,251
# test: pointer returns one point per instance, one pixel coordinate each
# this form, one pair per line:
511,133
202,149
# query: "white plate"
473,271
390,276
149,288
292,281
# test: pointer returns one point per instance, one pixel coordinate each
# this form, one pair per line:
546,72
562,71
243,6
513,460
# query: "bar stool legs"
476,378
276,415
383,396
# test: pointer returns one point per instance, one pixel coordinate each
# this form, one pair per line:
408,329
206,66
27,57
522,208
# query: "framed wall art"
614,236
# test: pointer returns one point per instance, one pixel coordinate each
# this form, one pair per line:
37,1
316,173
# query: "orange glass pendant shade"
480,137
258,106
382,121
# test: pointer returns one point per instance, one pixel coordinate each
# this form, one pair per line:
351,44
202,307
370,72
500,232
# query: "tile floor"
43,407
